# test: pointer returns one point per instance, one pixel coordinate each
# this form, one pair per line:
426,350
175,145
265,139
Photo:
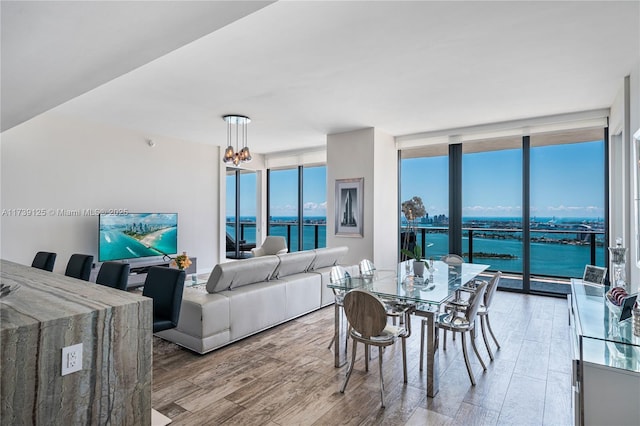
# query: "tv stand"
138,270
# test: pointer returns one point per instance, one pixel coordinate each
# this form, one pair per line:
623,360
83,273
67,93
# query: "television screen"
136,235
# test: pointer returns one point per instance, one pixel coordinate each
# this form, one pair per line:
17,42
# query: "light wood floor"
285,376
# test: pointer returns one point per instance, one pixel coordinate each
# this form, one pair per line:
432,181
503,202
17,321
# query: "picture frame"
349,208
594,275
627,307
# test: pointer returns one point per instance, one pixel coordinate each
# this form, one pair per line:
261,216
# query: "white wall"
385,202
370,154
55,162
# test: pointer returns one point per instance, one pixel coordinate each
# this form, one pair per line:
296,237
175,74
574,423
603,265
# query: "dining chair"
367,316
44,260
367,270
79,266
452,259
165,286
464,324
483,312
460,305
114,275
339,274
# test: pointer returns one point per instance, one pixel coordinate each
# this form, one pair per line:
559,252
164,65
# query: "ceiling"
305,69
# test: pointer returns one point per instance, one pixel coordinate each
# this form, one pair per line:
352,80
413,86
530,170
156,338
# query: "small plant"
416,254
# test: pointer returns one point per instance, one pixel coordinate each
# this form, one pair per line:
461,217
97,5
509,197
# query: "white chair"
452,259
464,324
271,245
368,318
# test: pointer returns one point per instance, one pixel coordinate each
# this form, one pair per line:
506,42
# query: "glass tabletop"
605,339
438,284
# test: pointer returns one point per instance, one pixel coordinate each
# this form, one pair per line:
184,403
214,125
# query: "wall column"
370,154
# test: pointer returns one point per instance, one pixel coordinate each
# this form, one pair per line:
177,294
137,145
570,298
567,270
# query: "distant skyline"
566,181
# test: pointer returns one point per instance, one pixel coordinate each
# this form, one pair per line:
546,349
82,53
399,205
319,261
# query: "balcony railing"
555,253
314,234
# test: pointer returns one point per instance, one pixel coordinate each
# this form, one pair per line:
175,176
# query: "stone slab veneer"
50,311
244,297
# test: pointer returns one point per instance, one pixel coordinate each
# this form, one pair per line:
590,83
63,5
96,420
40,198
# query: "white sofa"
244,297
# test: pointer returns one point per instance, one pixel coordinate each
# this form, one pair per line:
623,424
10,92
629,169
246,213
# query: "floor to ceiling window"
240,212
567,203
532,207
424,173
492,204
314,190
298,196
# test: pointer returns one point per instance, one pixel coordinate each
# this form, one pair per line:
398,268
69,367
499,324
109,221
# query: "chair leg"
484,337
333,339
444,339
381,376
404,358
350,369
367,355
491,331
466,360
422,344
475,348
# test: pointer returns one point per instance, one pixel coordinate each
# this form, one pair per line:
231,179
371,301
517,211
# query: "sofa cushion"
231,275
326,257
294,263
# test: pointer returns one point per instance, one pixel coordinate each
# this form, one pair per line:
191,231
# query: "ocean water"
547,258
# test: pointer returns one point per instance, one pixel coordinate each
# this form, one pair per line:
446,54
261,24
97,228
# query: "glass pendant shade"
236,131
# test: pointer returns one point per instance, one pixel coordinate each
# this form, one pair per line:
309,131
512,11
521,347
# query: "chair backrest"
491,289
165,285
79,266
365,312
338,274
273,244
475,300
44,260
114,274
366,267
452,259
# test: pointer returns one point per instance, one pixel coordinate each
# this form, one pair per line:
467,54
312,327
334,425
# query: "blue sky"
284,193
566,181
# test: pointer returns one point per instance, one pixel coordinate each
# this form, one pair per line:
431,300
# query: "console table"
606,360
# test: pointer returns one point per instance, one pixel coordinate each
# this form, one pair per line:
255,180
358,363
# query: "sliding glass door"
567,205
492,205
240,212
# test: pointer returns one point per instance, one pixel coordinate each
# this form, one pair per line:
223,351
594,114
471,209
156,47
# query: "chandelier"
236,130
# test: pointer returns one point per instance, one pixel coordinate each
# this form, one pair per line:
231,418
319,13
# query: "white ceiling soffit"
305,69
53,51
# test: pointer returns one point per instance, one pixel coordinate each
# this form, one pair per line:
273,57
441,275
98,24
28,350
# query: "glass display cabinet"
605,358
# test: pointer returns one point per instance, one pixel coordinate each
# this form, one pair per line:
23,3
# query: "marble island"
50,311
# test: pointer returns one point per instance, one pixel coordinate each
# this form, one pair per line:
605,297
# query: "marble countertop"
43,296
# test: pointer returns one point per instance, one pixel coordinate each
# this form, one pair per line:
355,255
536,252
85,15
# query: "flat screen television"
137,235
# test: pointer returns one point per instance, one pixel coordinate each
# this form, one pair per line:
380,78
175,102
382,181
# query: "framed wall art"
349,207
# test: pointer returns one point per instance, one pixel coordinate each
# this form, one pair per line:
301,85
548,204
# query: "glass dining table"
419,296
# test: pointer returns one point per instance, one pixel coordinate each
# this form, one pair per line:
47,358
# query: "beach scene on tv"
137,235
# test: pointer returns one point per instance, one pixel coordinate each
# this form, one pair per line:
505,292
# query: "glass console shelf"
600,337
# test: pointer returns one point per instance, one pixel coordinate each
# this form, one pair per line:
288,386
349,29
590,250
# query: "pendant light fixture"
236,131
